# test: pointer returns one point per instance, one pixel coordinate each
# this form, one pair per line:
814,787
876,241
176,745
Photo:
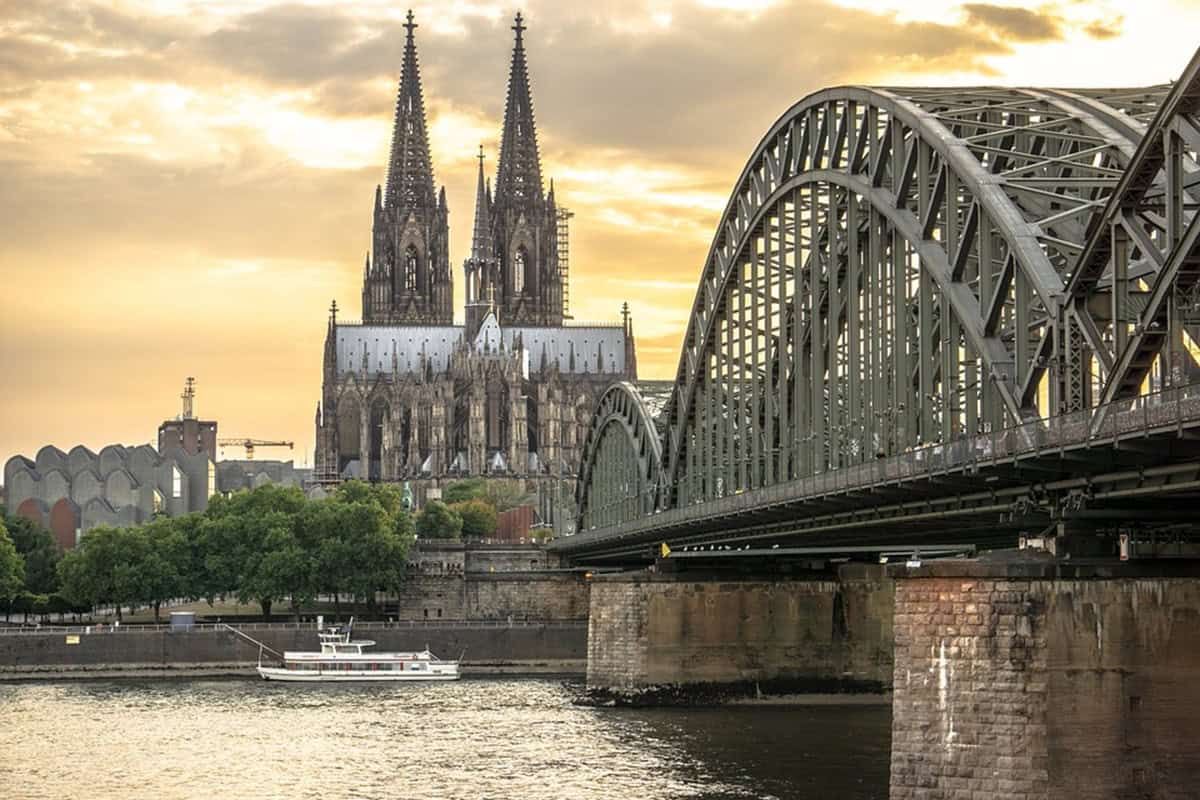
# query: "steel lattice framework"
621,477
898,268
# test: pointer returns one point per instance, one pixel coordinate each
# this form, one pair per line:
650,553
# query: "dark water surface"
499,738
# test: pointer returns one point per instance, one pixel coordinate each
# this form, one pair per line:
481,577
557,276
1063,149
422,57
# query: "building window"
410,269
176,483
519,271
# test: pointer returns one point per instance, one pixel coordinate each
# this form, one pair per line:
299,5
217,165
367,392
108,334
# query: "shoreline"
565,668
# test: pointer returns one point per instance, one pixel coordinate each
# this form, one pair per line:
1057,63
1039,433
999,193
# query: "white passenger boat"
343,659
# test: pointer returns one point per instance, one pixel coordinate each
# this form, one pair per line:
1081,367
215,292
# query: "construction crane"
250,444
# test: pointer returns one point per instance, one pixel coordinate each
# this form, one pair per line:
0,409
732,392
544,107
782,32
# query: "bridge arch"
917,304
620,472
890,271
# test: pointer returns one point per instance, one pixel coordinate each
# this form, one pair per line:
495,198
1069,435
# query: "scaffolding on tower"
564,258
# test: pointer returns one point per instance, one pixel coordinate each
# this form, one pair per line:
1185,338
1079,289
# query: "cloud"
1105,28
1018,24
195,179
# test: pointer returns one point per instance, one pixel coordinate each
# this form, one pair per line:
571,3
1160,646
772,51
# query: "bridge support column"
1043,680
687,638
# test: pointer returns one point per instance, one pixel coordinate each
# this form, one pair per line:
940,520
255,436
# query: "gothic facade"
409,394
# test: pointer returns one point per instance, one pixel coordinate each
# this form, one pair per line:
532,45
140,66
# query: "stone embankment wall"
549,647
431,556
494,596
1042,681
677,635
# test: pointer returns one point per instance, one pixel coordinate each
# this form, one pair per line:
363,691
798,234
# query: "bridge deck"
984,488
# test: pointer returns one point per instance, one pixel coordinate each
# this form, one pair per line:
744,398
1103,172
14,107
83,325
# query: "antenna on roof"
189,396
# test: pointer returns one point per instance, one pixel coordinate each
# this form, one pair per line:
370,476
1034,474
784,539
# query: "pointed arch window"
519,270
410,269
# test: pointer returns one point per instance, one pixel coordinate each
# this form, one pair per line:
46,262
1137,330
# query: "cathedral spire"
410,168
520,172
481,238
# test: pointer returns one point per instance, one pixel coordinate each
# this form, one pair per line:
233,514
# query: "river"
474,739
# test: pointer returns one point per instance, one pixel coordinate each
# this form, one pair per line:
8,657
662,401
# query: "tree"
506,495
101,569
239,538
464,490
162,561
479,518
287,568
40,552
12,566
437,521
388,496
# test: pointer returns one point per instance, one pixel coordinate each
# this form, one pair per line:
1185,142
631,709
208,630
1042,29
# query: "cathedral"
407,394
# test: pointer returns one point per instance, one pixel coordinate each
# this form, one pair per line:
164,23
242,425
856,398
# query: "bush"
464,490
438,521
479,518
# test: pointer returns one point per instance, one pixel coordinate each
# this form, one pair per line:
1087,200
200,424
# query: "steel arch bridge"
919,274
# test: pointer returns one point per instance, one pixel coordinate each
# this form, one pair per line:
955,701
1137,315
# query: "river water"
473,739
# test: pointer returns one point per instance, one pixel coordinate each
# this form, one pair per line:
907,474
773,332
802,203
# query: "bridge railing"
1169,408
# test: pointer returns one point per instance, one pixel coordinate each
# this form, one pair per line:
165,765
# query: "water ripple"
469,740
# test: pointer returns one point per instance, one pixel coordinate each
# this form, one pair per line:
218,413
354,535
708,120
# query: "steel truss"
903,267
619,476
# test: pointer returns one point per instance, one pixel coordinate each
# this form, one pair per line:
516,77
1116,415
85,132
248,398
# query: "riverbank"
520,648
561,668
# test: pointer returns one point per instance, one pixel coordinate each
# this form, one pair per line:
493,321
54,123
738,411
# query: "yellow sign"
666,551
73,638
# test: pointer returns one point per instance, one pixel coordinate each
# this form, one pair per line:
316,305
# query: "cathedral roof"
410,168
573,350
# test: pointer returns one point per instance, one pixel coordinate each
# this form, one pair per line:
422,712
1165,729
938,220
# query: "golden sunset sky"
186,184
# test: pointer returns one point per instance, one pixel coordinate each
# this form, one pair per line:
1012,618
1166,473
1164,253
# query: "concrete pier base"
1028,681
687,638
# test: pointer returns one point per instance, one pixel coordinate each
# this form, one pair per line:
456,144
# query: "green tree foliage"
437,521
264,545
389,497
40,552
502,494
12,566
464,490
238,537
479,518
100,570
163,562
507,495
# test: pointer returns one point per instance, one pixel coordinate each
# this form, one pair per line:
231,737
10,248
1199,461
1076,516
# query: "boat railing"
202,627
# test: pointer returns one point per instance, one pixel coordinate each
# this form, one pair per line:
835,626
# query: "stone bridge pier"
1046,681
693,637
1011,679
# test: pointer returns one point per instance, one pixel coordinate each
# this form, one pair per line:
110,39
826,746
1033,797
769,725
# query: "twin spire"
520,175
410,167
515,237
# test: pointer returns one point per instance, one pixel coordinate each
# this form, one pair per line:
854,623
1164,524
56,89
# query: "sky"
185,185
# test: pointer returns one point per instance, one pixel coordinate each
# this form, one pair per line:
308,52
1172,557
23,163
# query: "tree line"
265,545
29,569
